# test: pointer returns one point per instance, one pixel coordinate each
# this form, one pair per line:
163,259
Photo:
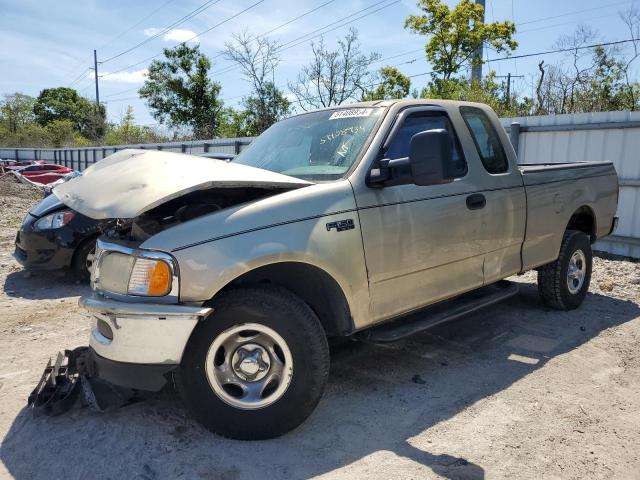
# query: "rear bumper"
140,333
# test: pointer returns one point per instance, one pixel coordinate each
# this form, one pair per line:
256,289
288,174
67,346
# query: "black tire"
297,324
79,262
553,278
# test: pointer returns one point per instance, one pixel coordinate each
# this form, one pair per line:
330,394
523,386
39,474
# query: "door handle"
476,201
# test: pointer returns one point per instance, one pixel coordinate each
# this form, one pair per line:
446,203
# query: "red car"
44,173
8,165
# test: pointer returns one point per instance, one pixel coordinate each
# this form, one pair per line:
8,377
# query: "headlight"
54,220
150,277
140,273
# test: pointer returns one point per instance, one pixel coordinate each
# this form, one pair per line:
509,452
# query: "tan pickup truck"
372,221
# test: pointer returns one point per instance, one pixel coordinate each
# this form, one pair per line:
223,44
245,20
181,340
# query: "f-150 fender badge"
341,225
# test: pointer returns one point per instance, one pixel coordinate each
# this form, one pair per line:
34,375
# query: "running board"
442,312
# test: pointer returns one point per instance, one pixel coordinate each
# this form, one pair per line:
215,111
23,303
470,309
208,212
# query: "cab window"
486,139
420,122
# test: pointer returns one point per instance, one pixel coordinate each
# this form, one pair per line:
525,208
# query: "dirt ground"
517,391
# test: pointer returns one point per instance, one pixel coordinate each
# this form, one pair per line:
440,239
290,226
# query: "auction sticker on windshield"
350,113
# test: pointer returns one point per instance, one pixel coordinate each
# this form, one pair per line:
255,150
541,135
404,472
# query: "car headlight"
139,273
150,277
54,220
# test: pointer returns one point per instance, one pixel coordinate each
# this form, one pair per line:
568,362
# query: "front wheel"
257,367
563,284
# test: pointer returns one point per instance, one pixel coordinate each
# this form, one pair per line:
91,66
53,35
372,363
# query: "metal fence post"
514,136
236,147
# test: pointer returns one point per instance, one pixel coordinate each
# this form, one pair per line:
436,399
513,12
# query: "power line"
183,43
79,77
323,30
120,35
285,24
575,12
560,50
564,23
121,92
180,21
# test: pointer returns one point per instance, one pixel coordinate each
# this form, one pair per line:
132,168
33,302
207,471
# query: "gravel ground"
517,391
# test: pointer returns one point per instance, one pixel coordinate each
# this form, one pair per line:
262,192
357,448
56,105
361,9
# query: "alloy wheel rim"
249,366
576,272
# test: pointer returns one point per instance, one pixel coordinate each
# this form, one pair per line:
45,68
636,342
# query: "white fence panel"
599,136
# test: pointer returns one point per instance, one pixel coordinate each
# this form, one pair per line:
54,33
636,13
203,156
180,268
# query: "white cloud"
136,76
179,35
150,32
176,34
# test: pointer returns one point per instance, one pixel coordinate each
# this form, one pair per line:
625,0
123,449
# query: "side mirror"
430,157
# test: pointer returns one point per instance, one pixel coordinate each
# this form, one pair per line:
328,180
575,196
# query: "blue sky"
49,44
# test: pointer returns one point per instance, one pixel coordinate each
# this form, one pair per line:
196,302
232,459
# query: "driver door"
420,242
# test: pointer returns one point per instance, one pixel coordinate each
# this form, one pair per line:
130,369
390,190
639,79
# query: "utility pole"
95,71
509,77
476,69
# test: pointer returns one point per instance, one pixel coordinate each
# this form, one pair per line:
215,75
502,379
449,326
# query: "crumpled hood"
131,182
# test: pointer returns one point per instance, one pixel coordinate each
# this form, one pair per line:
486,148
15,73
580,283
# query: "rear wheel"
563,284
257,367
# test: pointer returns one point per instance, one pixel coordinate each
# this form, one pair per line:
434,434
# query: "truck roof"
402,103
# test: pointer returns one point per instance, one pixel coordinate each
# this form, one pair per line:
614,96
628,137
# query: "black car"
54,237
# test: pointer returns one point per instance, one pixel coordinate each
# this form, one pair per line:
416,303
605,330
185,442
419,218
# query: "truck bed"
537,173
556,192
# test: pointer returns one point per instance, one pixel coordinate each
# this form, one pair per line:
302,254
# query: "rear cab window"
488,144
420,122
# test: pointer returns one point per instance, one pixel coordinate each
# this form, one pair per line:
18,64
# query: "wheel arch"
89,238
584,220
312,284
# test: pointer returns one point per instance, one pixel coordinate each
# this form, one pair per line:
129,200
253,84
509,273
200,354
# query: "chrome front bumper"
140,332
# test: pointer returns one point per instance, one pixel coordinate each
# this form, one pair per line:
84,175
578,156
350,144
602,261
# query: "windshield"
314,146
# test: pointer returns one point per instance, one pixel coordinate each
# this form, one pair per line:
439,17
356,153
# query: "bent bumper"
150,377
140,333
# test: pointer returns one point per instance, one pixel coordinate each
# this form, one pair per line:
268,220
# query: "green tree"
127,132
29,135
180,93
486,91
393,84
455,35
62,133
64,103
263,110
16,111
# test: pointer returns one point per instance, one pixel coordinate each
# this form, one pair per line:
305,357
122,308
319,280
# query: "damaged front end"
139,194
72,378
179,210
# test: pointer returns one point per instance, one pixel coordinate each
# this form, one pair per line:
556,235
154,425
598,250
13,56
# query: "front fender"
207,268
